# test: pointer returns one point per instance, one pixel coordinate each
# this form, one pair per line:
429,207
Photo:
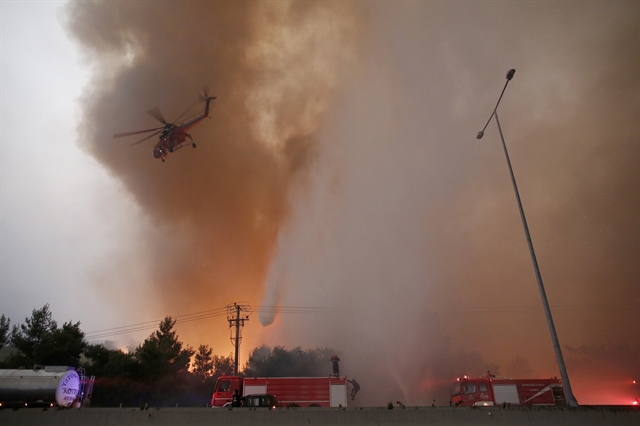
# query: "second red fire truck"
490,390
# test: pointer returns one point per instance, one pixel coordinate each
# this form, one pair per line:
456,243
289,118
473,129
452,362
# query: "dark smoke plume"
215,212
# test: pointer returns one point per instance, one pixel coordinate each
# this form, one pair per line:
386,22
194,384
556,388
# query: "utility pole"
237,322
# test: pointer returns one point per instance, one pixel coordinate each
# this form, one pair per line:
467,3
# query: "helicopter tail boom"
208,99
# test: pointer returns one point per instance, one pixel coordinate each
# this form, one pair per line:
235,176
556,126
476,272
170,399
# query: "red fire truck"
302,391
491,390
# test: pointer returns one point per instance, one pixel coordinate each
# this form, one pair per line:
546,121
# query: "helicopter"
172,136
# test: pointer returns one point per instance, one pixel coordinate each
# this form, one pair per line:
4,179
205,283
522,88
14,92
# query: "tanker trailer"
46,386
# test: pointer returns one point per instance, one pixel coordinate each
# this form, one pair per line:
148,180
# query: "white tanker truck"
46,386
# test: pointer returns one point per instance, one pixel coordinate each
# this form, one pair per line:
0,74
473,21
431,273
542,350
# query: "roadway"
435,416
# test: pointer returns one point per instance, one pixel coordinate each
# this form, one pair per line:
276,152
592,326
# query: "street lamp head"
510,74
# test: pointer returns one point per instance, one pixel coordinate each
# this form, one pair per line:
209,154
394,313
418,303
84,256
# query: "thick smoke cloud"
214,212
341,170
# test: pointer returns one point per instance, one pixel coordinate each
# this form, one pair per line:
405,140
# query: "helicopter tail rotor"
205,94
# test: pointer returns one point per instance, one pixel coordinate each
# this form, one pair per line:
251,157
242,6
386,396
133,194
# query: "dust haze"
340,169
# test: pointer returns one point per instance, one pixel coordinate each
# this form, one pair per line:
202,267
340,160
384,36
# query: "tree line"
161,371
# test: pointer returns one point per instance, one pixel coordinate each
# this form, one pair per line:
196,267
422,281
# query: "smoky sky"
340,169
214,212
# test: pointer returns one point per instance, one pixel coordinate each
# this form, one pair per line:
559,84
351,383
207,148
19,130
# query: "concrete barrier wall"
324,416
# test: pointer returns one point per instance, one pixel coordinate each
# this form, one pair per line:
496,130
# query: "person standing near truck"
235,399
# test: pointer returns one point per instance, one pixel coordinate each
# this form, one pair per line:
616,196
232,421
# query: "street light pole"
571,401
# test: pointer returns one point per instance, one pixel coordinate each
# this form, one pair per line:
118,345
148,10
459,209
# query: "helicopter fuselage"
175,136
170,143
171,136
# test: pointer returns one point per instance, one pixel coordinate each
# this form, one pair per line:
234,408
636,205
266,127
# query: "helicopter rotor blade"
186,110
157,114
122,135
148,137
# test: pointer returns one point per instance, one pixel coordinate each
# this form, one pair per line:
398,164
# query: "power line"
293,309
320,310
197,316
147,325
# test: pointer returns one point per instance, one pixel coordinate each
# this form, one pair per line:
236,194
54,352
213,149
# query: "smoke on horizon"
341,170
